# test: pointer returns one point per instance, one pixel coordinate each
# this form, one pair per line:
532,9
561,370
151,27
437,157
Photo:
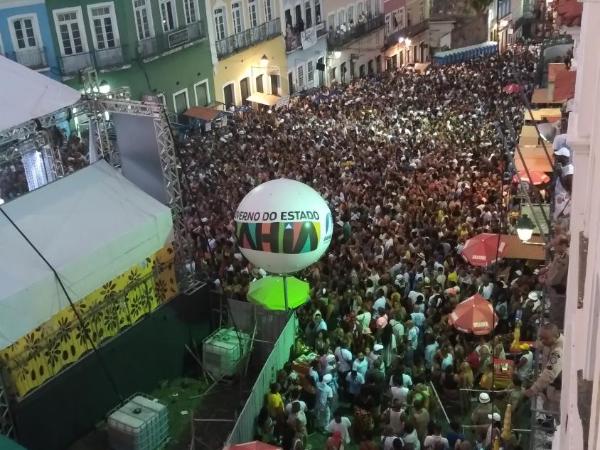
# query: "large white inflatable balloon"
283,226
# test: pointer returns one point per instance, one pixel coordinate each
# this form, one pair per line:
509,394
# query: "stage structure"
18,142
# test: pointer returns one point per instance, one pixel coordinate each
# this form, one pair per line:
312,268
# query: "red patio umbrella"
536,177
254,445
483,249
512,88
474,315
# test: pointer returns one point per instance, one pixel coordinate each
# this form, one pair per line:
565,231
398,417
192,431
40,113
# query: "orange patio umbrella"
474,315
483,249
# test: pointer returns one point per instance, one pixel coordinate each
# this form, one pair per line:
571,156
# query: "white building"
582,317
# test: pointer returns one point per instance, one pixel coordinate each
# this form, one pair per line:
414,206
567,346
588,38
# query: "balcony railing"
248,38
338,39
109,57
34,58
293,40
71,64
447,9
406,32
171,40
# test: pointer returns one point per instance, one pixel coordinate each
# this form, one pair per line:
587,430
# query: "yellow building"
248,51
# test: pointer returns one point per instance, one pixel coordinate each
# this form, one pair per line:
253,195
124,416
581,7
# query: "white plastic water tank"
223,350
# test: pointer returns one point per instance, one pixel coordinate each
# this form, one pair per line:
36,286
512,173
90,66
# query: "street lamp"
264,60
407,42
524,228
104,87
400,40
337,55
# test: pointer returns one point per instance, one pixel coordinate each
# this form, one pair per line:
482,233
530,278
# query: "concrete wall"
582,325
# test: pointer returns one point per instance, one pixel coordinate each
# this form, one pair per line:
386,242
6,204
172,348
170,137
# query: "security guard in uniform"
548,383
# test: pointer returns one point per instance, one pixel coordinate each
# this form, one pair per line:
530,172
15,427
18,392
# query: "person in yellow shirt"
275,401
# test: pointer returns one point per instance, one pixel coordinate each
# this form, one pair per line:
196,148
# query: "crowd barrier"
244,429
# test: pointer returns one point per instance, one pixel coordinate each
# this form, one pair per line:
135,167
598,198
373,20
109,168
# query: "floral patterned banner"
60,341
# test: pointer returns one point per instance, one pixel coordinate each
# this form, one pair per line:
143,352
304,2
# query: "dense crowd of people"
411,165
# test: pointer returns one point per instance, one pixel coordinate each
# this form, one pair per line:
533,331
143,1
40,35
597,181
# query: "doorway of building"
229,95
201,93
180,101
275,84
245,90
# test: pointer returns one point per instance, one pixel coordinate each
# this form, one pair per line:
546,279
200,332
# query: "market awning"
537,115
564,86
203,113
264,99
517,249
529,136
554,69
535,158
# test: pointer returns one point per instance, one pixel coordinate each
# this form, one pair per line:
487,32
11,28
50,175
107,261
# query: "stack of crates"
223,350
140,424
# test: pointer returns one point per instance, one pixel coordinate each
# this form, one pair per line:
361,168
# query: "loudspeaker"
321,67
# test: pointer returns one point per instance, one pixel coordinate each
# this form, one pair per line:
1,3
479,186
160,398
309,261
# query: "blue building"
25,35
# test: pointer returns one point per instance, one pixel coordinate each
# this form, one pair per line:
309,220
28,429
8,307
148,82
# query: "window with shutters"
190,10
236,13
311,72
308,14
24,34
268,10
300,77
143,19
69,28
168,15
220,28
103,23
253,13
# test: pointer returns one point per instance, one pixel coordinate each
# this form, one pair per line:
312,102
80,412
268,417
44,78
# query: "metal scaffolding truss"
95,108
183,242
6,423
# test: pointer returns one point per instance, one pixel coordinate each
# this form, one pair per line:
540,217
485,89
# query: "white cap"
563,151
377,347
533,295
484,397
327,378
495,417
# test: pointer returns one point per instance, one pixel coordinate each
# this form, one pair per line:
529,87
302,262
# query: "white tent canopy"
26,94
91,226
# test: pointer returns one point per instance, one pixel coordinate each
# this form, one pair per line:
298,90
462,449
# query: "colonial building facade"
148,47
25,35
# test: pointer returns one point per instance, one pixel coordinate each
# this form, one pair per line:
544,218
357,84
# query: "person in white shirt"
297,413
342,425
440,277
525,366
399,393
414,296
431,441
344,360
